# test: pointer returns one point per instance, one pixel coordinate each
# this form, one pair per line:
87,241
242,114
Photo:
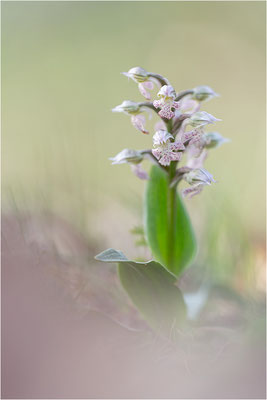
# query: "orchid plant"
180,147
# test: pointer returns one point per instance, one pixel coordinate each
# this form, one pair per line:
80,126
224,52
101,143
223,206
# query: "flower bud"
202,93
127,156
202,118
127,107
137,74
213,139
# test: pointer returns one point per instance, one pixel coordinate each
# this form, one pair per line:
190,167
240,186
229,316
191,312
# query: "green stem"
172,215
171,208
183,93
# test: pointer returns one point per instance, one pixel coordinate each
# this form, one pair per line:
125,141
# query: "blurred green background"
61,64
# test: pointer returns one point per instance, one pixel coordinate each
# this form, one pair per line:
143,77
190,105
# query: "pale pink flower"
138,122
193,136
144,80
166,102
197,179
200,140
134,109
187,106
133,157
166,151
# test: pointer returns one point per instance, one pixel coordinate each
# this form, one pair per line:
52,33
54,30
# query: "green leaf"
151,289
157,224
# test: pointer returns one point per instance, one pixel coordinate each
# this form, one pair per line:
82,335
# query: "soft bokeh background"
61,64
61,69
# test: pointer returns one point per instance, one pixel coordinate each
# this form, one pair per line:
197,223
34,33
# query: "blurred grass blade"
156,224
151,289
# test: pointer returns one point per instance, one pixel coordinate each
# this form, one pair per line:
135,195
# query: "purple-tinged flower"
201,118
187,106
133,157
144,79
138,122
200,140
127,156
166,151
193,136
203,93
139,171
166,102
197,179
134,109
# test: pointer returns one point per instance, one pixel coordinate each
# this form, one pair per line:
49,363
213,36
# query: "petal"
156,103
197,162
166,112
159,126
138,122
157,153
143,90
148,85
176,156
139,171
165,159
192,191
178,145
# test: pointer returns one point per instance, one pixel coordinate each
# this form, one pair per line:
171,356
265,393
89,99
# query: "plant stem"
183,93
172,214
171,208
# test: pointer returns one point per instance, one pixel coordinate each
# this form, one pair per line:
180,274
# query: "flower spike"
134,109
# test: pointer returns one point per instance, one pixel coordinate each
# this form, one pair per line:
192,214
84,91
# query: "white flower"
166,102
144,79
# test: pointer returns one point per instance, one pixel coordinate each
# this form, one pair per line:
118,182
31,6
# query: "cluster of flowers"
181,129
